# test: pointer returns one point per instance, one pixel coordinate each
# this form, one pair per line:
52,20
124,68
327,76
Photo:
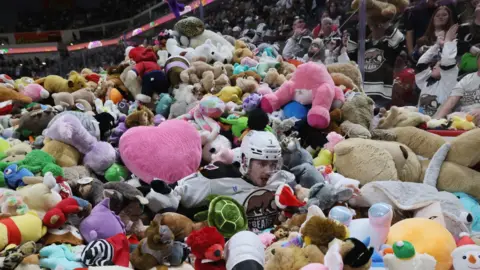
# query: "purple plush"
117,132
102,223
99,156
252,102
175,7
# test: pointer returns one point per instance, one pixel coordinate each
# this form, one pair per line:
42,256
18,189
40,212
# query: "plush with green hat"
226,214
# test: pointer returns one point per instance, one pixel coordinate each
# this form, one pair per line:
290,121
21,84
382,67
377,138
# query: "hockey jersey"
380,57
226,180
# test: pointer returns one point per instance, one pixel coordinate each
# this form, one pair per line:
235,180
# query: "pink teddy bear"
311,84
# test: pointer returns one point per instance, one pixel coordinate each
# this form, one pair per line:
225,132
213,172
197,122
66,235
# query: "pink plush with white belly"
311,84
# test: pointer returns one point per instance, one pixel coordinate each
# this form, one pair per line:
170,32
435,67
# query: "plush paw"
267,104
318,117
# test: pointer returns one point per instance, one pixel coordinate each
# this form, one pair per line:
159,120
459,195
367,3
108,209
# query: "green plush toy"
37,161
226,214
239,125
116,173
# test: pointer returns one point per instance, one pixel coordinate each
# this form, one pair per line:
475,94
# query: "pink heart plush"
169,152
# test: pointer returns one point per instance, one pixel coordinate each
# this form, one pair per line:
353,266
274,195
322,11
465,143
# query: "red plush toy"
207,245
57,216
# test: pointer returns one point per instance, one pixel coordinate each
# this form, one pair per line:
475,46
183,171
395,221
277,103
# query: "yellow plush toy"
22,82
427,236
21,229
459,123
56,84
325,157
230,93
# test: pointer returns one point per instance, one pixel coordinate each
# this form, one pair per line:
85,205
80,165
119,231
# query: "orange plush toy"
10,94
207,244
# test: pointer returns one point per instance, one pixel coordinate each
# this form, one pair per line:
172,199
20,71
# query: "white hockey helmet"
261,145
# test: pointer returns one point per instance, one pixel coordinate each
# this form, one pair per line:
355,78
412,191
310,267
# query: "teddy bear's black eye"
212,150
464,257
213,53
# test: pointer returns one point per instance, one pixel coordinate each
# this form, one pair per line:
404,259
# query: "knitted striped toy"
110,251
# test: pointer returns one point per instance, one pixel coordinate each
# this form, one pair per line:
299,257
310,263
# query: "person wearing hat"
297,45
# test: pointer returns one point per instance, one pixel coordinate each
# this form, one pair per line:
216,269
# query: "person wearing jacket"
298,44
254,184
437,83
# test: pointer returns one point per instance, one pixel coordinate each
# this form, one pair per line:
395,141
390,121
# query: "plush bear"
185,100
245,74
158,248
84,97
241,51
207,244
132,84
56,84
208,34
398,160
146,67
65,155
402,117
351,75
213,85
288,258
274,79
140,117
321,92
377,8
195,72
248,86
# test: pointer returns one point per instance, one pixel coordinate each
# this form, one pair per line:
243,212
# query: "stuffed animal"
405,257
207,244
54,256
162,143
146,67
93,226
331,230
22,82
7,94
99,156
35,91
294,257
110,251
68,100
465,256
184,100
65,155
230,93
37,161
56,84
376,8
13,257
158,248
41,197
21,229
459,123
321,93
402,117
430,231
11,204
248,86
141,117
87,188
190,26
132,84
273,78
57,216
127,202
173,68
241,51
13,175
34,122
214,37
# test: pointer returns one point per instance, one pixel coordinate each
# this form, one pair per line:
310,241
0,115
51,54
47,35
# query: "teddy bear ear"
70,83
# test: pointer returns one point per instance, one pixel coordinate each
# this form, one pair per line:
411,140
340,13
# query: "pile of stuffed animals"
87,164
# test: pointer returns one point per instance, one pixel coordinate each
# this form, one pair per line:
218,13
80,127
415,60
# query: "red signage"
38,37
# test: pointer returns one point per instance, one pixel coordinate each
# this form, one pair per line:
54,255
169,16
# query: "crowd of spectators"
109,11
414,58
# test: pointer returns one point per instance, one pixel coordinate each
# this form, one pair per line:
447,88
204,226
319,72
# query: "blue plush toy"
13,176
58,255
472,206
377,259
163,104
295,109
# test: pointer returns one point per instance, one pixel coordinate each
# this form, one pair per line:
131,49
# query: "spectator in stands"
325,29
465,97
437,82
335,13
381,50
419,17
297,45
439,24
469,43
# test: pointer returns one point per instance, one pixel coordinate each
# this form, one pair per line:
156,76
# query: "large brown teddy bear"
381,8
56,84
372,160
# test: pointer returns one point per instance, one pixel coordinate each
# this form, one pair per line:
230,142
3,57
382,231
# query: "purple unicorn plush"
252,102
99,156
175,7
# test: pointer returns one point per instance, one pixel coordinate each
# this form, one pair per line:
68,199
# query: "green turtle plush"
226,214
